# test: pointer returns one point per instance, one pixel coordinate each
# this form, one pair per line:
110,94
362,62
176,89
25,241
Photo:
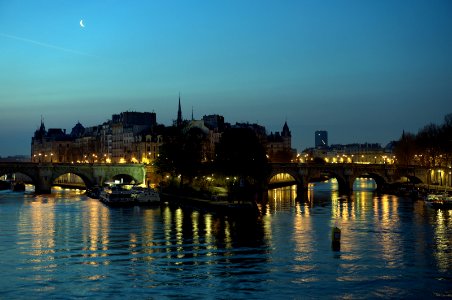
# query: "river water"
68,246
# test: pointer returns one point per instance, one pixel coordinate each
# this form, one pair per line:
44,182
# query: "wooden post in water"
336,239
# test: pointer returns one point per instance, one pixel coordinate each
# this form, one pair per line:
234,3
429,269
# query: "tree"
405,148
432,144
239,153
428,142
181,153
446,139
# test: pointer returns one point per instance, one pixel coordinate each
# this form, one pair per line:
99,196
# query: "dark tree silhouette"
240,153
405,149
181,153
432,144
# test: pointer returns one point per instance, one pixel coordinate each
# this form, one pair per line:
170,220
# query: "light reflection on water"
67,245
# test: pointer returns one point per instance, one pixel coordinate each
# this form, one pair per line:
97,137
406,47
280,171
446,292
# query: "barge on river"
128,195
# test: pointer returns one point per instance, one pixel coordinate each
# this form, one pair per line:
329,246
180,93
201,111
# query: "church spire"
179,114
286,131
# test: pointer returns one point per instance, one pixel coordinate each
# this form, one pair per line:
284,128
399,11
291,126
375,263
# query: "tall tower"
179,115
286,136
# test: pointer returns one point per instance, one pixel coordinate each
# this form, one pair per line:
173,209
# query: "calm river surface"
68,246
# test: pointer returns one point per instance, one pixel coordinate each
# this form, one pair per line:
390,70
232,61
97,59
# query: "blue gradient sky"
362,70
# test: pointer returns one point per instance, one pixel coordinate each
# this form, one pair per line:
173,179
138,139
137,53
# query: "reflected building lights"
195,232
133,240
96,232
179,219
303,239
208,234
43,228
385,219
227,236
443,221
167,221
148,233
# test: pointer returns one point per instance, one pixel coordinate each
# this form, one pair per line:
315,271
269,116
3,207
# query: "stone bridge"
43,175
345,174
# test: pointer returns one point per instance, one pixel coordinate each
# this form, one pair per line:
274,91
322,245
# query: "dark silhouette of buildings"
136,137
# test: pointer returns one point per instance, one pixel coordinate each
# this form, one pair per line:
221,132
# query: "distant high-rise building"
321,139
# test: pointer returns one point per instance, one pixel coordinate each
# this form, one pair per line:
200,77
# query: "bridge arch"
87,180
31,177
409,179
123,178
281,180
343,184
19,176
44,174
379,179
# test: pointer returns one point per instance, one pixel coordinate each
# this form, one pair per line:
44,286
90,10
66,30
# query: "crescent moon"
81,23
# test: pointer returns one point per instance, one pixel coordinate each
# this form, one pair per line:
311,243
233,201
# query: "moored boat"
128,195
443,201
145,196
94,192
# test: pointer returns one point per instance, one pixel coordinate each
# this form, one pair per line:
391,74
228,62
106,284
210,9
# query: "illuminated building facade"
279,146
128,137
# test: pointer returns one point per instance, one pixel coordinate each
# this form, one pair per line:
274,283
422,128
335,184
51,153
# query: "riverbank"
217,206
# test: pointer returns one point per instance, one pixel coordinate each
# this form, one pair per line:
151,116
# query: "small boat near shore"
128,195
443,201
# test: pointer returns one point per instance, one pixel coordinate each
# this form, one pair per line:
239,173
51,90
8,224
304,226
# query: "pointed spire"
286,131
179,114
42,128
192,114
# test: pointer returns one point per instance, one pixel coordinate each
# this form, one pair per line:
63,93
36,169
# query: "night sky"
362,70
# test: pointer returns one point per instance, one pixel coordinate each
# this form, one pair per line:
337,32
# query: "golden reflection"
133,240
386,218
227,236
443,221
280,197
310,192
167,219
208,231
346,211
179,218
42,229
195,231
303,238
148,232
96,231
267,227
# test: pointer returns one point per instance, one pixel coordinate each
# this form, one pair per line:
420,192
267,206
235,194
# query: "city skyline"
364,72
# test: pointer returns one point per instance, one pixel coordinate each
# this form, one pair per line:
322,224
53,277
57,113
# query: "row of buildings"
127,137
135,137
366,153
